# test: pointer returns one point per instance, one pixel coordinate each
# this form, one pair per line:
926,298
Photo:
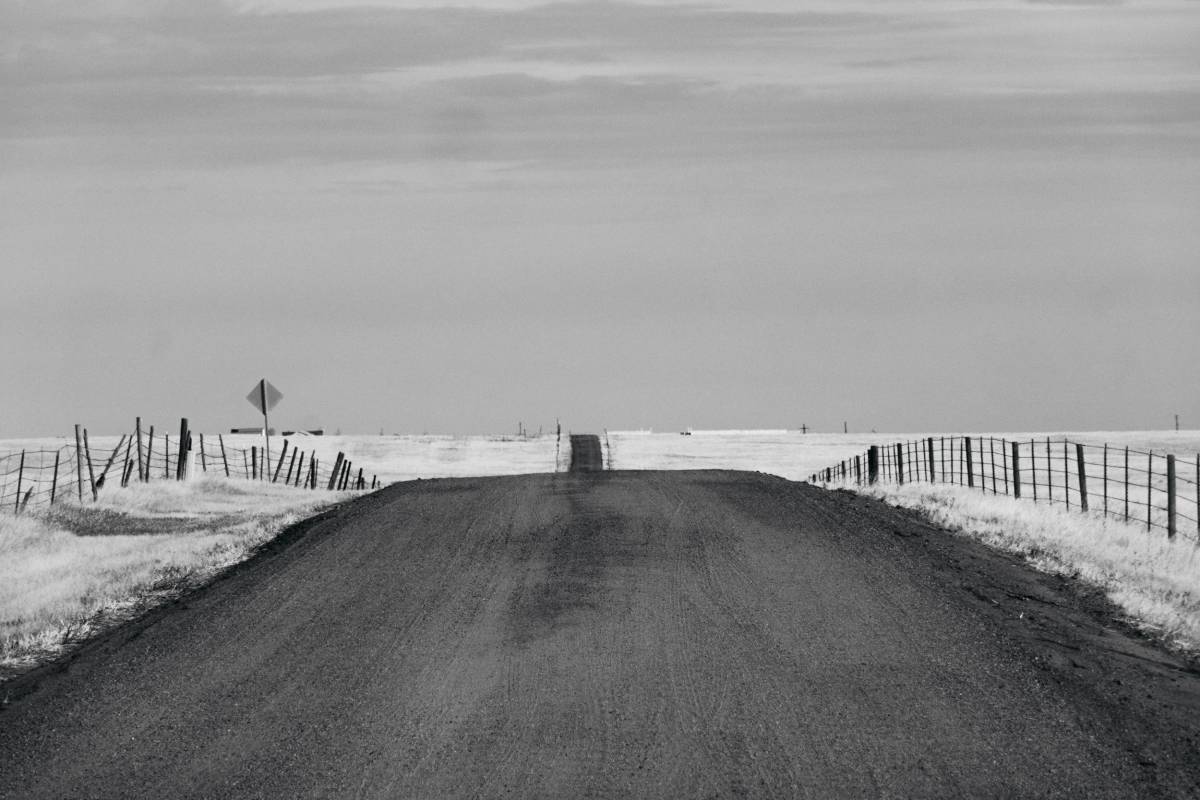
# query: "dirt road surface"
613,634
586,455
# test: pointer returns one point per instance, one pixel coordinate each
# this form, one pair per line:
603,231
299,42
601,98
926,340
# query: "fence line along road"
41,477
1158,490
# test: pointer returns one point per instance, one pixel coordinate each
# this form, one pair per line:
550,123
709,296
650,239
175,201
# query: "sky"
938,215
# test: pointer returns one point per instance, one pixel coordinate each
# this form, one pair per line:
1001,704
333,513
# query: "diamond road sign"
264,396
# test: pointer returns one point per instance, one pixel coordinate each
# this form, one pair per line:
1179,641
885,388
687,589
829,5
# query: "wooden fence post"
149,454
1170,497
108,464
312,468
253,462
1149,484
54,480
1049,475
1104,481
1016,469
20,475
1004,462
929,454
900,463
992,458
873,464
87,451
203,455
224,458
79,464
300,469
181,466
166,455
141,465
287,481
359,483
1083,500
857,472
1066,471
1033,469
125,467
970,462
336,472
282,456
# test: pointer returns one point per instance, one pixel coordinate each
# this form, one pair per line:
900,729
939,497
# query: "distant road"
586,455
613,634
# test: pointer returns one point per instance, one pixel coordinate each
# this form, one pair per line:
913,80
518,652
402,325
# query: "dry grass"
70,572
1155,580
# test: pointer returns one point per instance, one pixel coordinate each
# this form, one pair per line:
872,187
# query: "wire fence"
40,477
1157,490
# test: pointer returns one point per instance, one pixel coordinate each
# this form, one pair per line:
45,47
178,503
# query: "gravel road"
613,634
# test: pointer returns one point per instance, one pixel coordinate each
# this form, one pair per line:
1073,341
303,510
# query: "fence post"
1127,484
125,466
1033,470
181,466
312,468
970,462
224,458
1170,497
1083,501
1149,485
87,451
141,466
279,467
253,462
873,464
300,469
899,463
345,478
149,454
167,455
203,455
288,479
336,472
20,475
54,480
1104,481
857,472
359,483
1016,469
108,464
79,464
1004,462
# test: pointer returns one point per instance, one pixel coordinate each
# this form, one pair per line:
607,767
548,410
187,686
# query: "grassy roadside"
69,573
1155,580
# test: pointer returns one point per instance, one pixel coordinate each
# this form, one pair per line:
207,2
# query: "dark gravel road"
613,634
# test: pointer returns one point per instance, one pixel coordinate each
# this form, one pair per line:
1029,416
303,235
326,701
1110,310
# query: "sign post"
264,397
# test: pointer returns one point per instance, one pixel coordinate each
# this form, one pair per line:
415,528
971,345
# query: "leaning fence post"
138,432
109,463
79,464
278,467
287,481
203,455
224,458
970,462
1170,497
125,467
54,480
87,451
149,454
312,468
336,472
873,464
1083,503
20,475
359,483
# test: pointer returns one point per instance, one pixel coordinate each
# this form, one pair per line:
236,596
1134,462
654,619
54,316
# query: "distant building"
256,431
